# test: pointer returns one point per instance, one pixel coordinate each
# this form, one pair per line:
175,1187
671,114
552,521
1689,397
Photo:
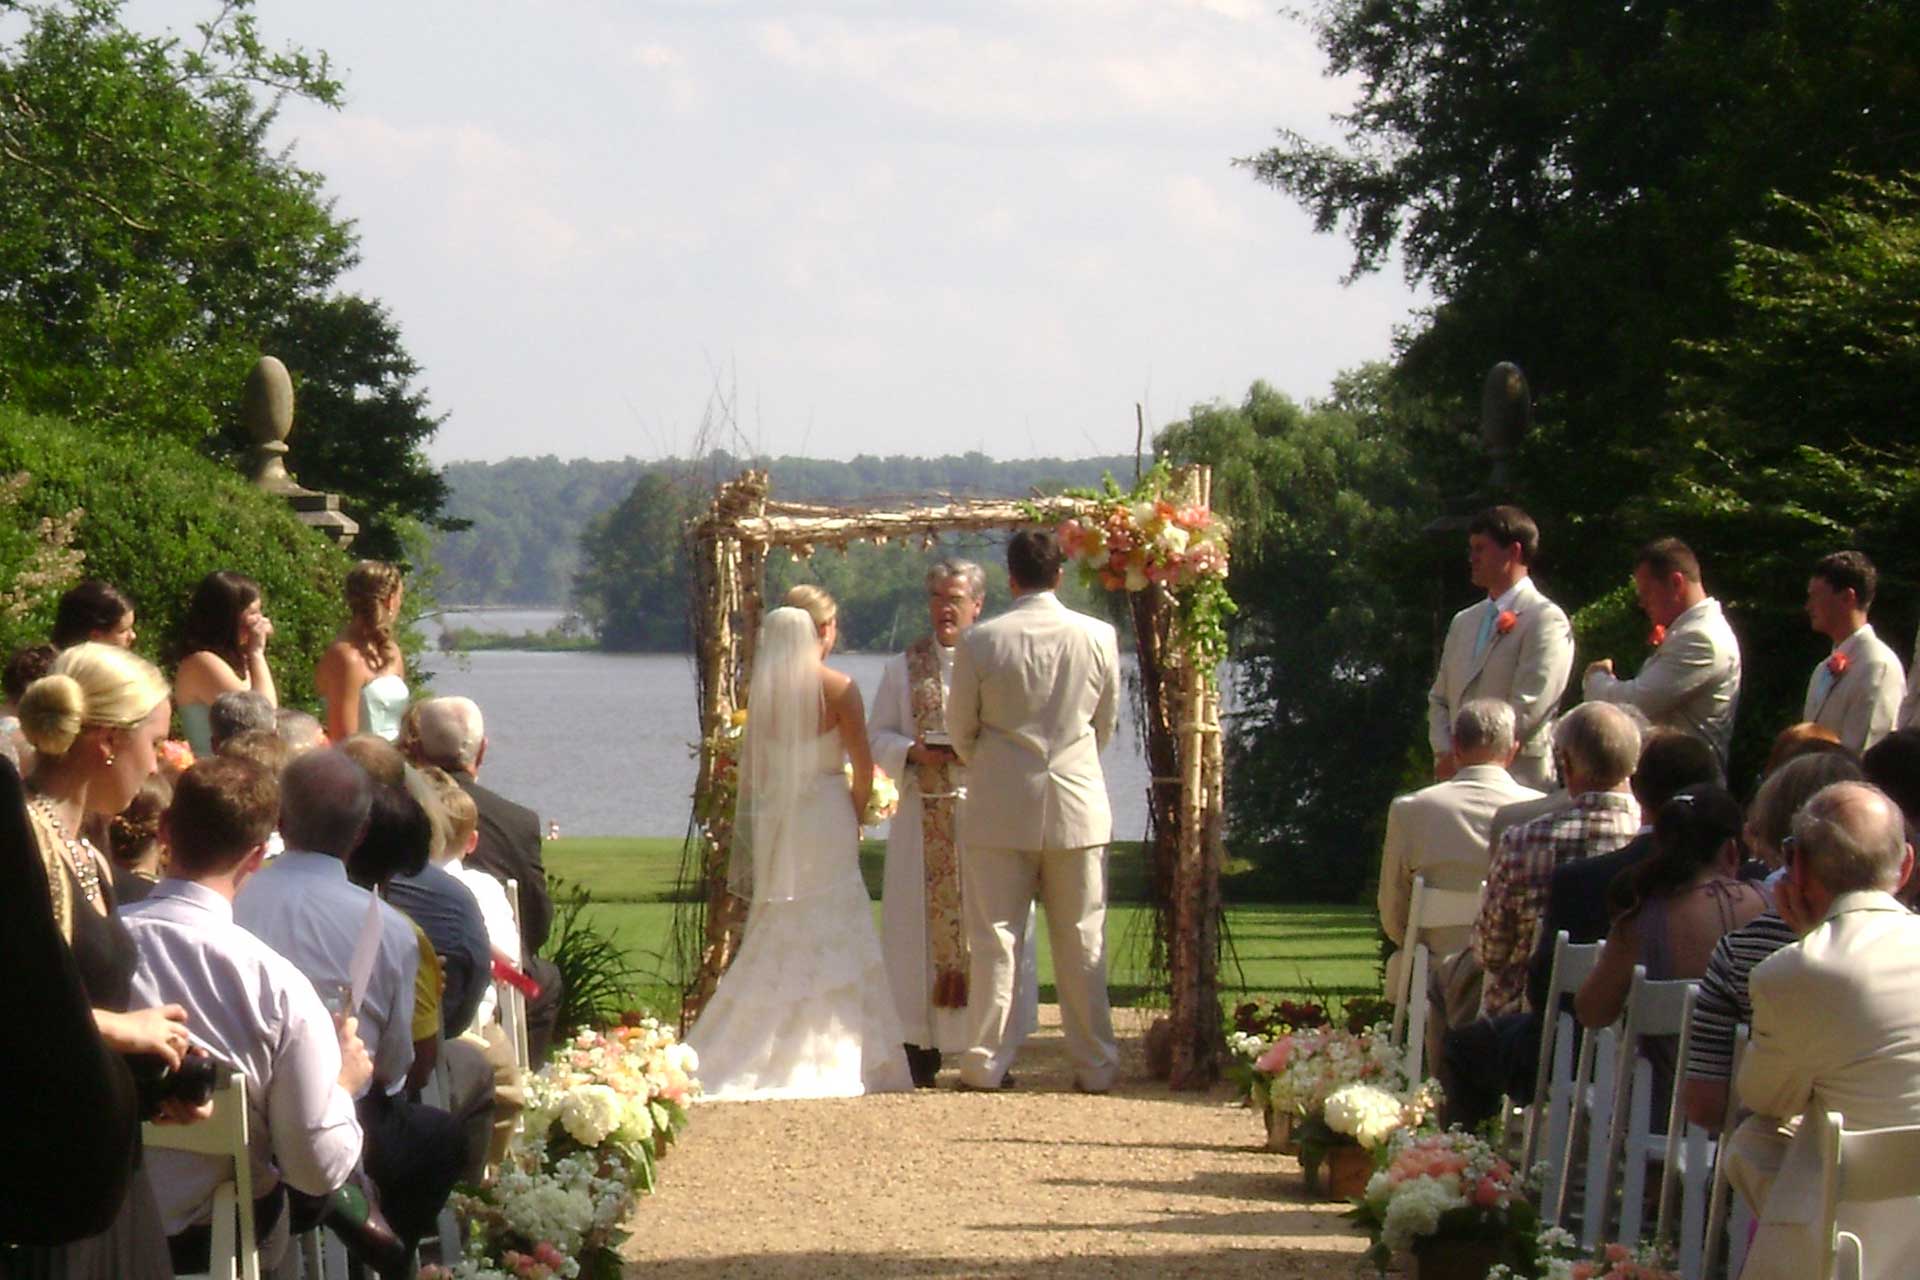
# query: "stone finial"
266,407
1506,411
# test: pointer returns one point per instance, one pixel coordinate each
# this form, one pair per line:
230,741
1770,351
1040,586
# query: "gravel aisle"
1035,1181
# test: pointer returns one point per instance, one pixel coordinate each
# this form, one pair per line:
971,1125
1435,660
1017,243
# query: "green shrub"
599,981
158,517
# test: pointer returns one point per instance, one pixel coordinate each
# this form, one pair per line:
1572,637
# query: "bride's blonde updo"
89,684
817,603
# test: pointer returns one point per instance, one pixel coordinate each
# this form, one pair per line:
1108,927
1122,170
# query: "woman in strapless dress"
223,647
362,677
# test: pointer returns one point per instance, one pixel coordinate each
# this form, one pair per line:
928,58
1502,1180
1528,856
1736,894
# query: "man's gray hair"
299,729
324,801
1600,742
451,732
1852,837
966,570
238,711
1483,724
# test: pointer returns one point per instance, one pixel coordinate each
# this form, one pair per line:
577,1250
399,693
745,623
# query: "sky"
844,228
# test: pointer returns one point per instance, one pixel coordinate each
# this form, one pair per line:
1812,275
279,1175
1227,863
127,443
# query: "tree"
634,580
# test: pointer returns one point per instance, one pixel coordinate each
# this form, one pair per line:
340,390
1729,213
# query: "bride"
805,1010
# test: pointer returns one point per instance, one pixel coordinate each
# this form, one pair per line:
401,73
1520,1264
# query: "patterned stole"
946,929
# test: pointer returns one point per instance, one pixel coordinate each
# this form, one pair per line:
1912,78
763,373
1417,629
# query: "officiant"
923,928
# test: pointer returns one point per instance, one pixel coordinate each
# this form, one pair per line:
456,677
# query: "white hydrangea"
541,1207
1415,1210
1364,1113
590,1112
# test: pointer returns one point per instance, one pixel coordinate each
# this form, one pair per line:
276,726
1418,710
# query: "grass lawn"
1275,949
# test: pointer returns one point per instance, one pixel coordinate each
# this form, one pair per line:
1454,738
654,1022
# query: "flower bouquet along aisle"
1452,1202
1303,1072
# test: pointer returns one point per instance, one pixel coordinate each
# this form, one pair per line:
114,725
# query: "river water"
602,743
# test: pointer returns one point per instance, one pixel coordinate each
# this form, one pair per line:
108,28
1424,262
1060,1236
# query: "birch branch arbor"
730,543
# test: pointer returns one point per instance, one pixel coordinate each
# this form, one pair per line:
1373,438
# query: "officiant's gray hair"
966,570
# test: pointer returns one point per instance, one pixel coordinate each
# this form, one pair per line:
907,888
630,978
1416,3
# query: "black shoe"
353,1214
1006,1082
924,1064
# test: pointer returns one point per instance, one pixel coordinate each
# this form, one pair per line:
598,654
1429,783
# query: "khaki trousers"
998,887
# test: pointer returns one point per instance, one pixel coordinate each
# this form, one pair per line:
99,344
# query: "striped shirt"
1722,1003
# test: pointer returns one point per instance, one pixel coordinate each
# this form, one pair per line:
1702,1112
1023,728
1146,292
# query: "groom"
1036,695
923,928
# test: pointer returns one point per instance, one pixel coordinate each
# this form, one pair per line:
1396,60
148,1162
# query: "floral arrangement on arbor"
1133,541
598,1118
715,805
1447,1188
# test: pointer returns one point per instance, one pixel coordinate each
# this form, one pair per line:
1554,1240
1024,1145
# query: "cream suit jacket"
1862,704
1035,697
1528,668
1690,683
1440,832
1836,1027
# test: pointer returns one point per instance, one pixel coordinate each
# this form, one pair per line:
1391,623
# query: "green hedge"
158,518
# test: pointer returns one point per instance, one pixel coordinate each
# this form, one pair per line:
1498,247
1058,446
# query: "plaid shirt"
1515,900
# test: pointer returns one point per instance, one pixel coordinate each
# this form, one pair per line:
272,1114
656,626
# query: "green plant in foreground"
599,981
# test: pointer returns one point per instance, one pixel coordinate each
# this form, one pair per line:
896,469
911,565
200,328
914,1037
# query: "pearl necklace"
80,854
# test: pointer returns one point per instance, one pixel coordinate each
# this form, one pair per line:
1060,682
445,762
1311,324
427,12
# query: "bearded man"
923,928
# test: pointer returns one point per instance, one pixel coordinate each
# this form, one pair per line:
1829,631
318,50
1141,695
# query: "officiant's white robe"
903,909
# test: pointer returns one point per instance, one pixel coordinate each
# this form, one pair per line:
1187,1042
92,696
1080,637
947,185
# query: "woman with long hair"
223,646
95,722
805,1011
362,677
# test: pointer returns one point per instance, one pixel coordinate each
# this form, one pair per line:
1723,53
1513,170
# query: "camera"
191,1083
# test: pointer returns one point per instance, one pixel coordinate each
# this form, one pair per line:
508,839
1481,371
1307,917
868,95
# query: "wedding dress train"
805,1011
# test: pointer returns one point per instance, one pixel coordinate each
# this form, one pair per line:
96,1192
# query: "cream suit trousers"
999,887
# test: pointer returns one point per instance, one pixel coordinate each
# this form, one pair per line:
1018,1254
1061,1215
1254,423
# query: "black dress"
76,1122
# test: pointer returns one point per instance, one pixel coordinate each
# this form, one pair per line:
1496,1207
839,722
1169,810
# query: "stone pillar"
266,406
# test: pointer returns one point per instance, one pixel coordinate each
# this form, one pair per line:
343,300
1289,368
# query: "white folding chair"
1654,1009
1544,1138
233,1255
1720,1235
438,1092
1685,1180
1590,1112
318,1255
512,1001
1858,1166
1431,909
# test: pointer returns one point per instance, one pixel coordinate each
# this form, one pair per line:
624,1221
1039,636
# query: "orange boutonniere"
1837,664
1657,636
1506,621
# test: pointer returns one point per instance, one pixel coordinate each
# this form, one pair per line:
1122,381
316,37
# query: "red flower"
1506,621
1837,664
1658,636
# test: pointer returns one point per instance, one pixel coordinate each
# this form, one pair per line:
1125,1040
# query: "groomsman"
1856,689
1516,645
1036,696
923,927
1691,681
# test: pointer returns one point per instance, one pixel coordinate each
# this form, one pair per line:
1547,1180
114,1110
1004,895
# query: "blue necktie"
1487,620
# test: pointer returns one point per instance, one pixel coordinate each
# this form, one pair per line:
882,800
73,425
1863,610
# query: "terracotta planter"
1455,1259
1280,1133
1348,1169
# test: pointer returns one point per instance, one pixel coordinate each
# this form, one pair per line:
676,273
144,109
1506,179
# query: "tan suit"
1690,683
1035,696
1862,704
1527,668
1440,832
1836,1027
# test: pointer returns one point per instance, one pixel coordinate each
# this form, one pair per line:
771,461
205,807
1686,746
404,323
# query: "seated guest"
133,838
1723,1004
249,1008
263,747
1671,911
1796,740
93,610
1855,690
1598,745
1489,1057
1440,832
1893,765
450,733
23,667
299,730
223,646
303,905
463,833
443,907
237,711
1835,1026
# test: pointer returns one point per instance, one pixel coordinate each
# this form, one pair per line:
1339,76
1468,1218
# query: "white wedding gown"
805,1010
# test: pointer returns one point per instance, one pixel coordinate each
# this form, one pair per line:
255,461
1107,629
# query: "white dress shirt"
303,906
249,1007
502,932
